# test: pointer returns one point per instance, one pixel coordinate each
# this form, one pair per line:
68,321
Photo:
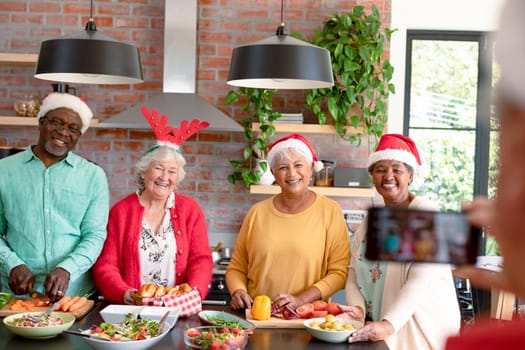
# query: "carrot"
64,300
67,305
79,304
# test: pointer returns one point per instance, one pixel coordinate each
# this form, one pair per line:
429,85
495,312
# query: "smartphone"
413,235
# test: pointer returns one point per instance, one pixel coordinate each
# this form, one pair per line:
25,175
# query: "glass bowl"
211,337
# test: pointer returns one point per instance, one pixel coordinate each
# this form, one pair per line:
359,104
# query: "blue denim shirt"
54,217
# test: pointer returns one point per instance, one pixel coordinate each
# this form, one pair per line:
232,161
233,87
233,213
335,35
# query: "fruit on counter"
261,307
333,309
305,310
319,313
151,290
320,305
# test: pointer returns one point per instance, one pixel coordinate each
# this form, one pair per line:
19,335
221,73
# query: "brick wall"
223,24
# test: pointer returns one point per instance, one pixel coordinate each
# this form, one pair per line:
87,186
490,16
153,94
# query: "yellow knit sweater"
288,253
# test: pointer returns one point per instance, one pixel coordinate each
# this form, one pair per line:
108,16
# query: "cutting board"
275,322
79,313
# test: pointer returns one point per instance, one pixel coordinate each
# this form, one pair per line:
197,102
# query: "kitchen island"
262,339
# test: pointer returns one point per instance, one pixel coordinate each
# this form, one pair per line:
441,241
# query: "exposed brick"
12,6
27,19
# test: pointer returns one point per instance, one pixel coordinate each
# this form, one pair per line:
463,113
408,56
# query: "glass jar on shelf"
27,106
325,177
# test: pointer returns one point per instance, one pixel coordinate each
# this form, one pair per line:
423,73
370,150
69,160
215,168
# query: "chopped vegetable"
26,320
131,328
225,322
216,338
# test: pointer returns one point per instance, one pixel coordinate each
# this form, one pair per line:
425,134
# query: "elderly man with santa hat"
410,306
53,207
294,246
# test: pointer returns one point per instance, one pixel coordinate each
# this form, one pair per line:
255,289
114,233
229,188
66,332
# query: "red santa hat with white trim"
298,143
397,147
57,100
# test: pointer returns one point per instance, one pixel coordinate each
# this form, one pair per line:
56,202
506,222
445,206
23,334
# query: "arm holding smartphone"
480,212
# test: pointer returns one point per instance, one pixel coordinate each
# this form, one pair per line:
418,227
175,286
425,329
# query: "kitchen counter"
262,339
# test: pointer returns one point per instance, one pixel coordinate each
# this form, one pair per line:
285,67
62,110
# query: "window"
448,113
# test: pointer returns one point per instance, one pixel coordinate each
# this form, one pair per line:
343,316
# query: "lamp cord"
90,25
281,29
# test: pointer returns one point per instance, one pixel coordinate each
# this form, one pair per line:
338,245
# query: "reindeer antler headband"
167,135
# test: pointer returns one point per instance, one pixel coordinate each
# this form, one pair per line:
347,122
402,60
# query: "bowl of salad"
212,337
225,319
48,327
131,334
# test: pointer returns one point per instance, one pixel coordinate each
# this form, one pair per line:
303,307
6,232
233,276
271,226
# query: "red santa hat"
64,100
397,147
298,143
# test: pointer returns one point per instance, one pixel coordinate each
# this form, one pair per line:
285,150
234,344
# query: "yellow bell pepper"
261,308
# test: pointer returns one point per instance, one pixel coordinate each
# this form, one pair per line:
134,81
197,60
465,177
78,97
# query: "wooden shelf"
28,121
327,191
18,59
306,128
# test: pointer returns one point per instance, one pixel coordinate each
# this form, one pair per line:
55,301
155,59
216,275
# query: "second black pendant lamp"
281,62
89,58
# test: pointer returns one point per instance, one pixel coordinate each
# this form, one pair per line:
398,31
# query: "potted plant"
259,108
362,76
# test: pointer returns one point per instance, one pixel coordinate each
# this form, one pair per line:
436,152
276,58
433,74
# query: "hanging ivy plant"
362,76
259,109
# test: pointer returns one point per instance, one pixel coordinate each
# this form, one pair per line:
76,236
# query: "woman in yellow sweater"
293,246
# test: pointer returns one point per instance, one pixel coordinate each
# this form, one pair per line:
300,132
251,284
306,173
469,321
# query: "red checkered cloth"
190,303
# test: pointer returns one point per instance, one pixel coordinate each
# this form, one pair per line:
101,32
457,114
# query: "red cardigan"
118,266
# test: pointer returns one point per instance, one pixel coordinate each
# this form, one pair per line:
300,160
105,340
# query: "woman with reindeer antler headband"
156,235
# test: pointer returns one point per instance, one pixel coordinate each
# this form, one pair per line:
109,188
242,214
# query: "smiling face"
391,179
292,172
160,178
59,133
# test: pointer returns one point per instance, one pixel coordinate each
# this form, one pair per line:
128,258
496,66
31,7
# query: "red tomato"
305,311
192,332
236,341
215,345
319,313
225,330
320,305
333,309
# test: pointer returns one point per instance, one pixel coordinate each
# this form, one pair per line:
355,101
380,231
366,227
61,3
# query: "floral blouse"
157,250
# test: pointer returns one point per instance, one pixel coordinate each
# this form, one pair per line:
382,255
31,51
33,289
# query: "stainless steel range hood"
178,99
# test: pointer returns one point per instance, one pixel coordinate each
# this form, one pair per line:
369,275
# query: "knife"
39,295
68,331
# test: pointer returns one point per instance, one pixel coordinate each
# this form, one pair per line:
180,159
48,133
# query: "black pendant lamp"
89,58
281,62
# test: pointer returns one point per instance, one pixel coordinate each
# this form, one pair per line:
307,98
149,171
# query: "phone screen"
408,235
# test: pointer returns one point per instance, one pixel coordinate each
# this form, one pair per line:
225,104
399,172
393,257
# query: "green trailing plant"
257,104
362,76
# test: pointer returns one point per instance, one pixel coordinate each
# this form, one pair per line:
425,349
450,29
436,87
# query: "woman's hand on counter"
241,300
353,312
372,331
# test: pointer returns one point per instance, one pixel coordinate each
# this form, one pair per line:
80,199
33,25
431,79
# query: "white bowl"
39,332
98,344
330,335
115,313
